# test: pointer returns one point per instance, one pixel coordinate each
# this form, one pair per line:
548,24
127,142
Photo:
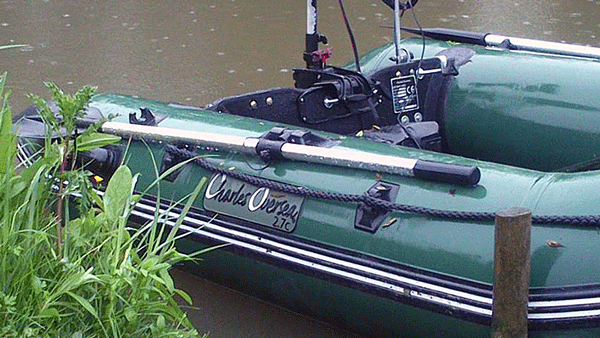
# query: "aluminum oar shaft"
335,156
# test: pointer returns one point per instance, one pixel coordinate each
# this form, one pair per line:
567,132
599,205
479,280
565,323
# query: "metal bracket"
269,145
146,118
370,218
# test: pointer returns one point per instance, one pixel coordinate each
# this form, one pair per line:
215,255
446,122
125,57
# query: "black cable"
350,35
411,4
259,169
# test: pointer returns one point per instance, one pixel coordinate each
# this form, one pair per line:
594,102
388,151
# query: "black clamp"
318,58
146,118
370,218
269,145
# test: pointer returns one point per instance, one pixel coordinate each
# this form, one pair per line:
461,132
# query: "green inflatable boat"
365,196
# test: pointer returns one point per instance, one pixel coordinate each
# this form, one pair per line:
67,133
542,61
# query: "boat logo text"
262,205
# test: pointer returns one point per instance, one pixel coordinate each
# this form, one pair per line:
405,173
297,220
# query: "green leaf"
158,267
17,186
49,313
160,321
7,140
166,277
117,193
84,303
130,314
96,198
184,295
95,140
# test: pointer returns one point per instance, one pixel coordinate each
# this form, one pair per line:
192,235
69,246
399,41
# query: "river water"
194,52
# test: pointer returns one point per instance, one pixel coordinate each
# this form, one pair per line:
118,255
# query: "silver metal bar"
539,46
311,17
397,30
349,158
236,143
330,156
329,102
421,71
336,156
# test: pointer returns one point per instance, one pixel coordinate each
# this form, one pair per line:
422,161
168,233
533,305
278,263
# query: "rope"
589,220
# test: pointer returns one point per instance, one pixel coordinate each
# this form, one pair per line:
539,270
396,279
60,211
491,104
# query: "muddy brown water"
194,52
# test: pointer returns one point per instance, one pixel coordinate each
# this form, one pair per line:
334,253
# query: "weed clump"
85,274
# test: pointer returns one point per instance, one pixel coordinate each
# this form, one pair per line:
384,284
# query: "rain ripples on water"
195,52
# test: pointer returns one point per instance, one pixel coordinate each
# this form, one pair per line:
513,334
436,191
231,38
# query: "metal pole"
538,46
312,34
511,272
397,30
335,156
512,43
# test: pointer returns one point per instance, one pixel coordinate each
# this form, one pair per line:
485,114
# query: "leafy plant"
6,137
106,280
63,127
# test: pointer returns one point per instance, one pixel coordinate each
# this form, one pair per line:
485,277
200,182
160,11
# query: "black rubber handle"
447,173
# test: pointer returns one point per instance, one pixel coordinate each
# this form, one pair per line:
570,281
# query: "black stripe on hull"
549,308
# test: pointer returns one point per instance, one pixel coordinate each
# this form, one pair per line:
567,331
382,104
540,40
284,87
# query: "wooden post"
511,272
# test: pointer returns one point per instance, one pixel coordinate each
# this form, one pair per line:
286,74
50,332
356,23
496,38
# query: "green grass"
94,277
